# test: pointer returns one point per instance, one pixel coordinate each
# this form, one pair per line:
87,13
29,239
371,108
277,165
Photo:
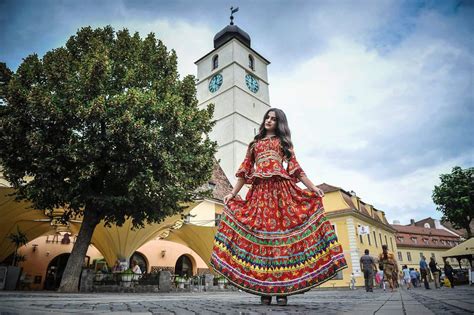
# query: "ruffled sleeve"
294,169
246,169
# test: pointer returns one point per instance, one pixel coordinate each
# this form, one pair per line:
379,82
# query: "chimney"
412,222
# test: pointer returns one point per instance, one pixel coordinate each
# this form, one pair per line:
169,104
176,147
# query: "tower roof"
229,32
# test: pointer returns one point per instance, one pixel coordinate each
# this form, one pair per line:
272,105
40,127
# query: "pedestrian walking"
369,268
414,277
407,279
418,278
389,265
353,282
448,271
276,242
424,272
435,272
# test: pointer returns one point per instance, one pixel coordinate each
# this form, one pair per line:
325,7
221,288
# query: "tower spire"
232,11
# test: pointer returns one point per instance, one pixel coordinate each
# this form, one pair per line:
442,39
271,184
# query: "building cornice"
357,214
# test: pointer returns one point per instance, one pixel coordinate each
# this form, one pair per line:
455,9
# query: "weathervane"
232,11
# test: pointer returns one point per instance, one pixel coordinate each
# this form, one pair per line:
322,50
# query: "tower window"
251,62
215,62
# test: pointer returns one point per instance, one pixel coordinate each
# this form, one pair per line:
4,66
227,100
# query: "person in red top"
276,242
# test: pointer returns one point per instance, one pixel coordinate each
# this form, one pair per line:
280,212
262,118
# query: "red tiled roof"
462,232
348,200
416,236
410,229
328,188
223,186
363,209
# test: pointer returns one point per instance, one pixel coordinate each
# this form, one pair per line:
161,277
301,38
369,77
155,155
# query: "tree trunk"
72,272
469,232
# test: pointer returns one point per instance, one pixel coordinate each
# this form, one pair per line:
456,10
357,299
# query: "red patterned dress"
277,241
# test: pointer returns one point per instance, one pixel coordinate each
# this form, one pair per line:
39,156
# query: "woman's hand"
318,191
228,197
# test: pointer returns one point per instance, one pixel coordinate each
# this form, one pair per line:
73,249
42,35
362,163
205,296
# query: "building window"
435,241
400,257
380,236
368,238
433,255
386,243
251,62
375,239
408,256
421,255
360,236
414,240
391,244
215,62
425,240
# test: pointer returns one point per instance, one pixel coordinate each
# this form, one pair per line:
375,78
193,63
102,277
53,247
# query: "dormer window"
414,240
251,62
215,62
425,240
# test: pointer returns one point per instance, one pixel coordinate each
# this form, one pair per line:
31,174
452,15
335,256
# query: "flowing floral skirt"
277,241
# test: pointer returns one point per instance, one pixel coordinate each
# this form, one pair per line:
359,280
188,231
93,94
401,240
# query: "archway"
141,261
184,266
55,270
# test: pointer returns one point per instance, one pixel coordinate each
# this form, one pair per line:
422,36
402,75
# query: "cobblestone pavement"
459,300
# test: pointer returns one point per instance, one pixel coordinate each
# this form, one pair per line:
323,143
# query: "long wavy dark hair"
282,131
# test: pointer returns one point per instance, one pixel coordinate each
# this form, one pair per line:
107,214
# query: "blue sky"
379,94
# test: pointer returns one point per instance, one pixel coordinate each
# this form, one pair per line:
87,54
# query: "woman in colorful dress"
277,242
388,264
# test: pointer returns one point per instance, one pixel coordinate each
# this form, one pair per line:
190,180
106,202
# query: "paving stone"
418,301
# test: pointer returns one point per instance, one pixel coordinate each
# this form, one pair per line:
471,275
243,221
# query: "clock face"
252,83
215,83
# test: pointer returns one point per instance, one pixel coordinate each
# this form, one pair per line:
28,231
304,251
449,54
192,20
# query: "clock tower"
234,78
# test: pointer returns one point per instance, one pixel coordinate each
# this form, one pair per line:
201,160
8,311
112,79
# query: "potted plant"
99,275
126,277
221,282
180,281
13,272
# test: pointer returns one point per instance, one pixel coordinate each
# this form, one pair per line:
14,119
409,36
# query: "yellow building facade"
349,215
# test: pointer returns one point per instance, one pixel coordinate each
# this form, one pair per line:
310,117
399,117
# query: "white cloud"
190,40
384,124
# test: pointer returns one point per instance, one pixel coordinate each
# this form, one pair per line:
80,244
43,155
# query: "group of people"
386,264
119,267
432,268
389,273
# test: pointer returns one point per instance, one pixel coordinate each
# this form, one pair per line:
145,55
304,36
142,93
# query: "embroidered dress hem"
300,291
277,241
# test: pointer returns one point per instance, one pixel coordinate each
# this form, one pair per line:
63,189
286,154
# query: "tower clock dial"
215,83
252,83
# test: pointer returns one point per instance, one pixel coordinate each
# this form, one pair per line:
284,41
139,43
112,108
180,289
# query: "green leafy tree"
105,129
455,198
5,76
